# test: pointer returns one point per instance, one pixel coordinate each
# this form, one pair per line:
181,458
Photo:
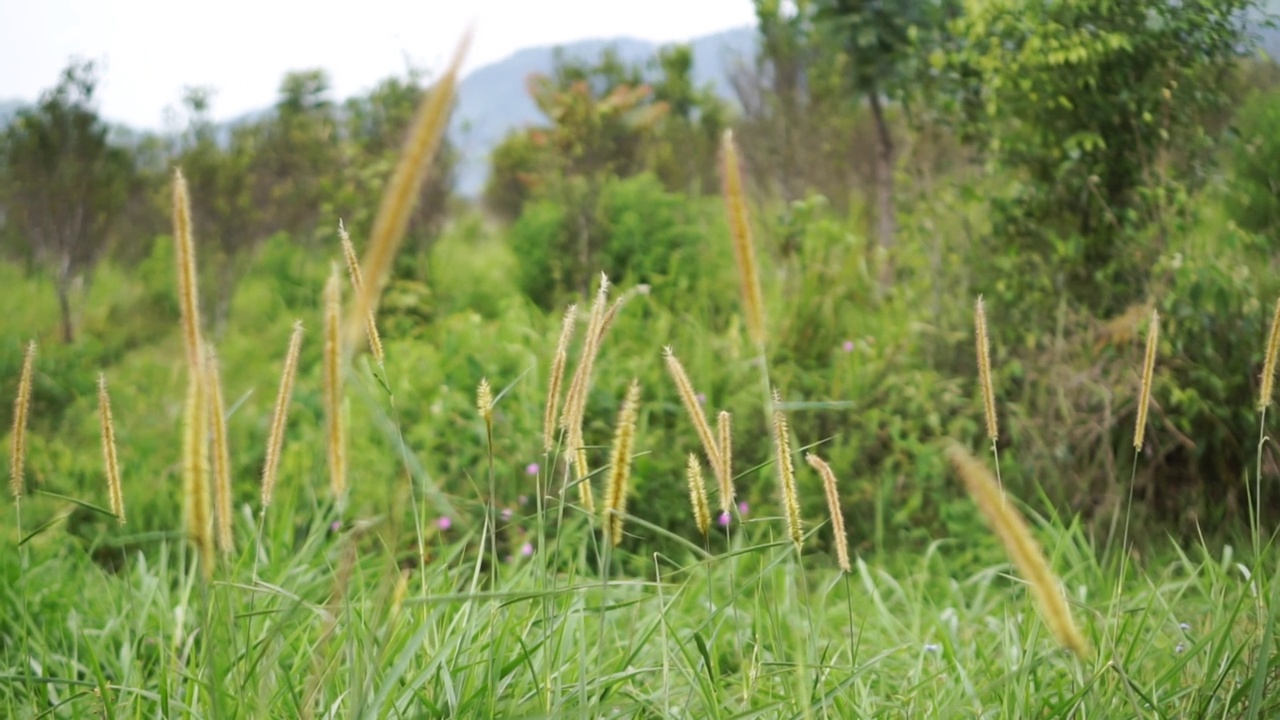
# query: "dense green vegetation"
1078,164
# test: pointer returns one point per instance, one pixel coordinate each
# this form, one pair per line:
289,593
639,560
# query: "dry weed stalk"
786,472
1023,550
984,369
221,456
333,384
278,419
698,496
1148,371
558,361
21,410
357,284
421,143
833,506
724,427
689,399
615,499
109,457
1269,365
740,228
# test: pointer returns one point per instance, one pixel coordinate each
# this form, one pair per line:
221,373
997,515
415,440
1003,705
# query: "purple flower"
526,549
531,469
702,399
724,519
506,514
847,346
742,508
335,526
444,523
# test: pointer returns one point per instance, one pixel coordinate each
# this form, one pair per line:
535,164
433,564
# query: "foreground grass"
342,622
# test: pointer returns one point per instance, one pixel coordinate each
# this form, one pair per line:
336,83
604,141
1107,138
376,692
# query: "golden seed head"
1148,371
357,284
984,369
724,427
558,362
21,410
195,453
402,190
1023,550
786,472
1269,365
615,500
110,460
689,399
333,393
279,418
484,401
576,399
698,496
221,456
185,253
833,506
740,230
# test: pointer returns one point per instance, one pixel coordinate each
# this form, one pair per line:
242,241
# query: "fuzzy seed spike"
110,460
1148,372
1023,550
615,500
280,417
833,506
221,455
21,411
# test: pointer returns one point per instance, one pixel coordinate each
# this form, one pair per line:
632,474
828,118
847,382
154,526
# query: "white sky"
152,49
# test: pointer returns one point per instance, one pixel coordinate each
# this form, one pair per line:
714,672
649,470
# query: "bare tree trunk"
64,304
886,215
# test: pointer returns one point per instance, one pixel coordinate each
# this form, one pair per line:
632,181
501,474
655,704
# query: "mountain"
9,108
493,99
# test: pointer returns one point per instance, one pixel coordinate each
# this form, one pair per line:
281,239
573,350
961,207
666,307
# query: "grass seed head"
558,362
698,495
279,418
615,499
786,472
740,228
1148,372
21,411
833,506
984,369
1269,365
110,460
1022,548
221,455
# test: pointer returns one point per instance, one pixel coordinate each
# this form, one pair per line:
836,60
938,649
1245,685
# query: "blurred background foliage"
1076,162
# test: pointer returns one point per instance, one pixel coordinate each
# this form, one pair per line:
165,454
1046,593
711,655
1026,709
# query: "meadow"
615,510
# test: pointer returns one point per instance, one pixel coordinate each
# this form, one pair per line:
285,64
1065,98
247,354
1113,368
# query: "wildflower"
444,523
1181,648
847,346
702,398
531,469
526,549
742,508
932,647
523,500
724,519
506,514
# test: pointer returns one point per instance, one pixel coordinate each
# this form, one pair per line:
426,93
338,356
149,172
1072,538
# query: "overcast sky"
152,49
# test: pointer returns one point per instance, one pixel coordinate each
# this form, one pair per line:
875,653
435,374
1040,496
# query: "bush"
636,232
1254,202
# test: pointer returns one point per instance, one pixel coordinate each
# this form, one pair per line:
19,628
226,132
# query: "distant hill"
493,100
9,108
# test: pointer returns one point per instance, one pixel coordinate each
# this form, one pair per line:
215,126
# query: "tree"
876,38
1097,108
64,181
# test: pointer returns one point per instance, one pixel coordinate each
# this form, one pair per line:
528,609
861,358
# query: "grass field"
365,588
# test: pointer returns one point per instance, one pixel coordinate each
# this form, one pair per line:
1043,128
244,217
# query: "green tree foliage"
1255,196
1094,107
64,181
606,121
